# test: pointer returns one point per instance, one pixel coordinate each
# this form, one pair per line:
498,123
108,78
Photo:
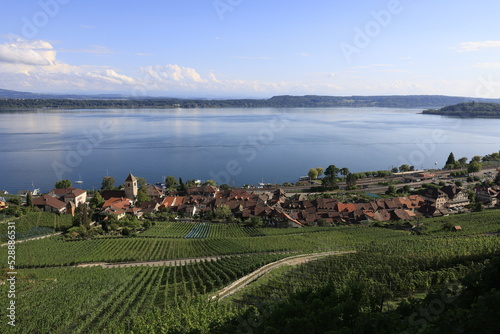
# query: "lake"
233,146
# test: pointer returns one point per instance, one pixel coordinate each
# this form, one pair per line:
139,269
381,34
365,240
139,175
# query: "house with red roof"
77,196
117,207
50,204
154,192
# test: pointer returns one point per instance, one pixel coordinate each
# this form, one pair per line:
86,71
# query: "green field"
390,265
36,224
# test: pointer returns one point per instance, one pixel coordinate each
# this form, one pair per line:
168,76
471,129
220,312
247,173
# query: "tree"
406,189
332,170
394,169
192,183
82,216
182,185
476,206
477,158
108,183
391,190
254,222
497,179
62,184
451,160
210,183
97,201
142,195
29,200
171,182
16,200
313,174
404,168
329,183
462,162
344,171
320,171
351,180
474,167
223,212
141,181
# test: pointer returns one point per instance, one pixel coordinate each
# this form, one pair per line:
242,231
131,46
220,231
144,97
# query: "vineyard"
36,224
389,266
106,298
57,251
218,231
489,223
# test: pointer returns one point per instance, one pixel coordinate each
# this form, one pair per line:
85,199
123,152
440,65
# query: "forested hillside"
468,109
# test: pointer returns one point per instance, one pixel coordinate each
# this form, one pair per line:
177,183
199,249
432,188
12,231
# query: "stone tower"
131,187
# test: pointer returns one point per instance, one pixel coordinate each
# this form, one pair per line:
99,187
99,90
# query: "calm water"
234,146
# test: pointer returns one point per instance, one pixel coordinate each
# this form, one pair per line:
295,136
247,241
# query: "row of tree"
473,166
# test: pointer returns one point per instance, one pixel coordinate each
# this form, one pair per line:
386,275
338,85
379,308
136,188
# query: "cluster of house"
275,208
279,209
64,200
489,196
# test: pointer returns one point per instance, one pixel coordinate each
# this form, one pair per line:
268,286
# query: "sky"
256,49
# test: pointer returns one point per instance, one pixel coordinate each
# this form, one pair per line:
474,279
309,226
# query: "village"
287,206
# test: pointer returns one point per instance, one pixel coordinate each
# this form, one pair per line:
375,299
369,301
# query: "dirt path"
291,261
179,262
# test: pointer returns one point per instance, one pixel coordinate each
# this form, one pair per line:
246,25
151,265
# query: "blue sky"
243,48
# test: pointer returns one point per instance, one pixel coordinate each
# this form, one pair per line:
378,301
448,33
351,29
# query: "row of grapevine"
216,230
81,300
392,272
36,224
168,230
200,230
57,251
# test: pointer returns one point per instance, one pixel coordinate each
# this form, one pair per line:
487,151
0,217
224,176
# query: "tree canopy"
108,183
62,184
468,109
313,173
171,182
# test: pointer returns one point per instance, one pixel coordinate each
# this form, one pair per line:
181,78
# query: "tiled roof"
130,178
47,200
122,203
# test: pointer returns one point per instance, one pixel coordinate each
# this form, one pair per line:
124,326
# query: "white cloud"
172,75
475,46
27,53
34,65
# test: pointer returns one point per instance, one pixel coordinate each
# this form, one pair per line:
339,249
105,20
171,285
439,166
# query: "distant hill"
468,109
12,94
10,99
392,101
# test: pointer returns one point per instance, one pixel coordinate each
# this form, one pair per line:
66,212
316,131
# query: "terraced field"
53,295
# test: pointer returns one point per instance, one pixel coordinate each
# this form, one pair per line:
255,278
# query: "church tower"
131,187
